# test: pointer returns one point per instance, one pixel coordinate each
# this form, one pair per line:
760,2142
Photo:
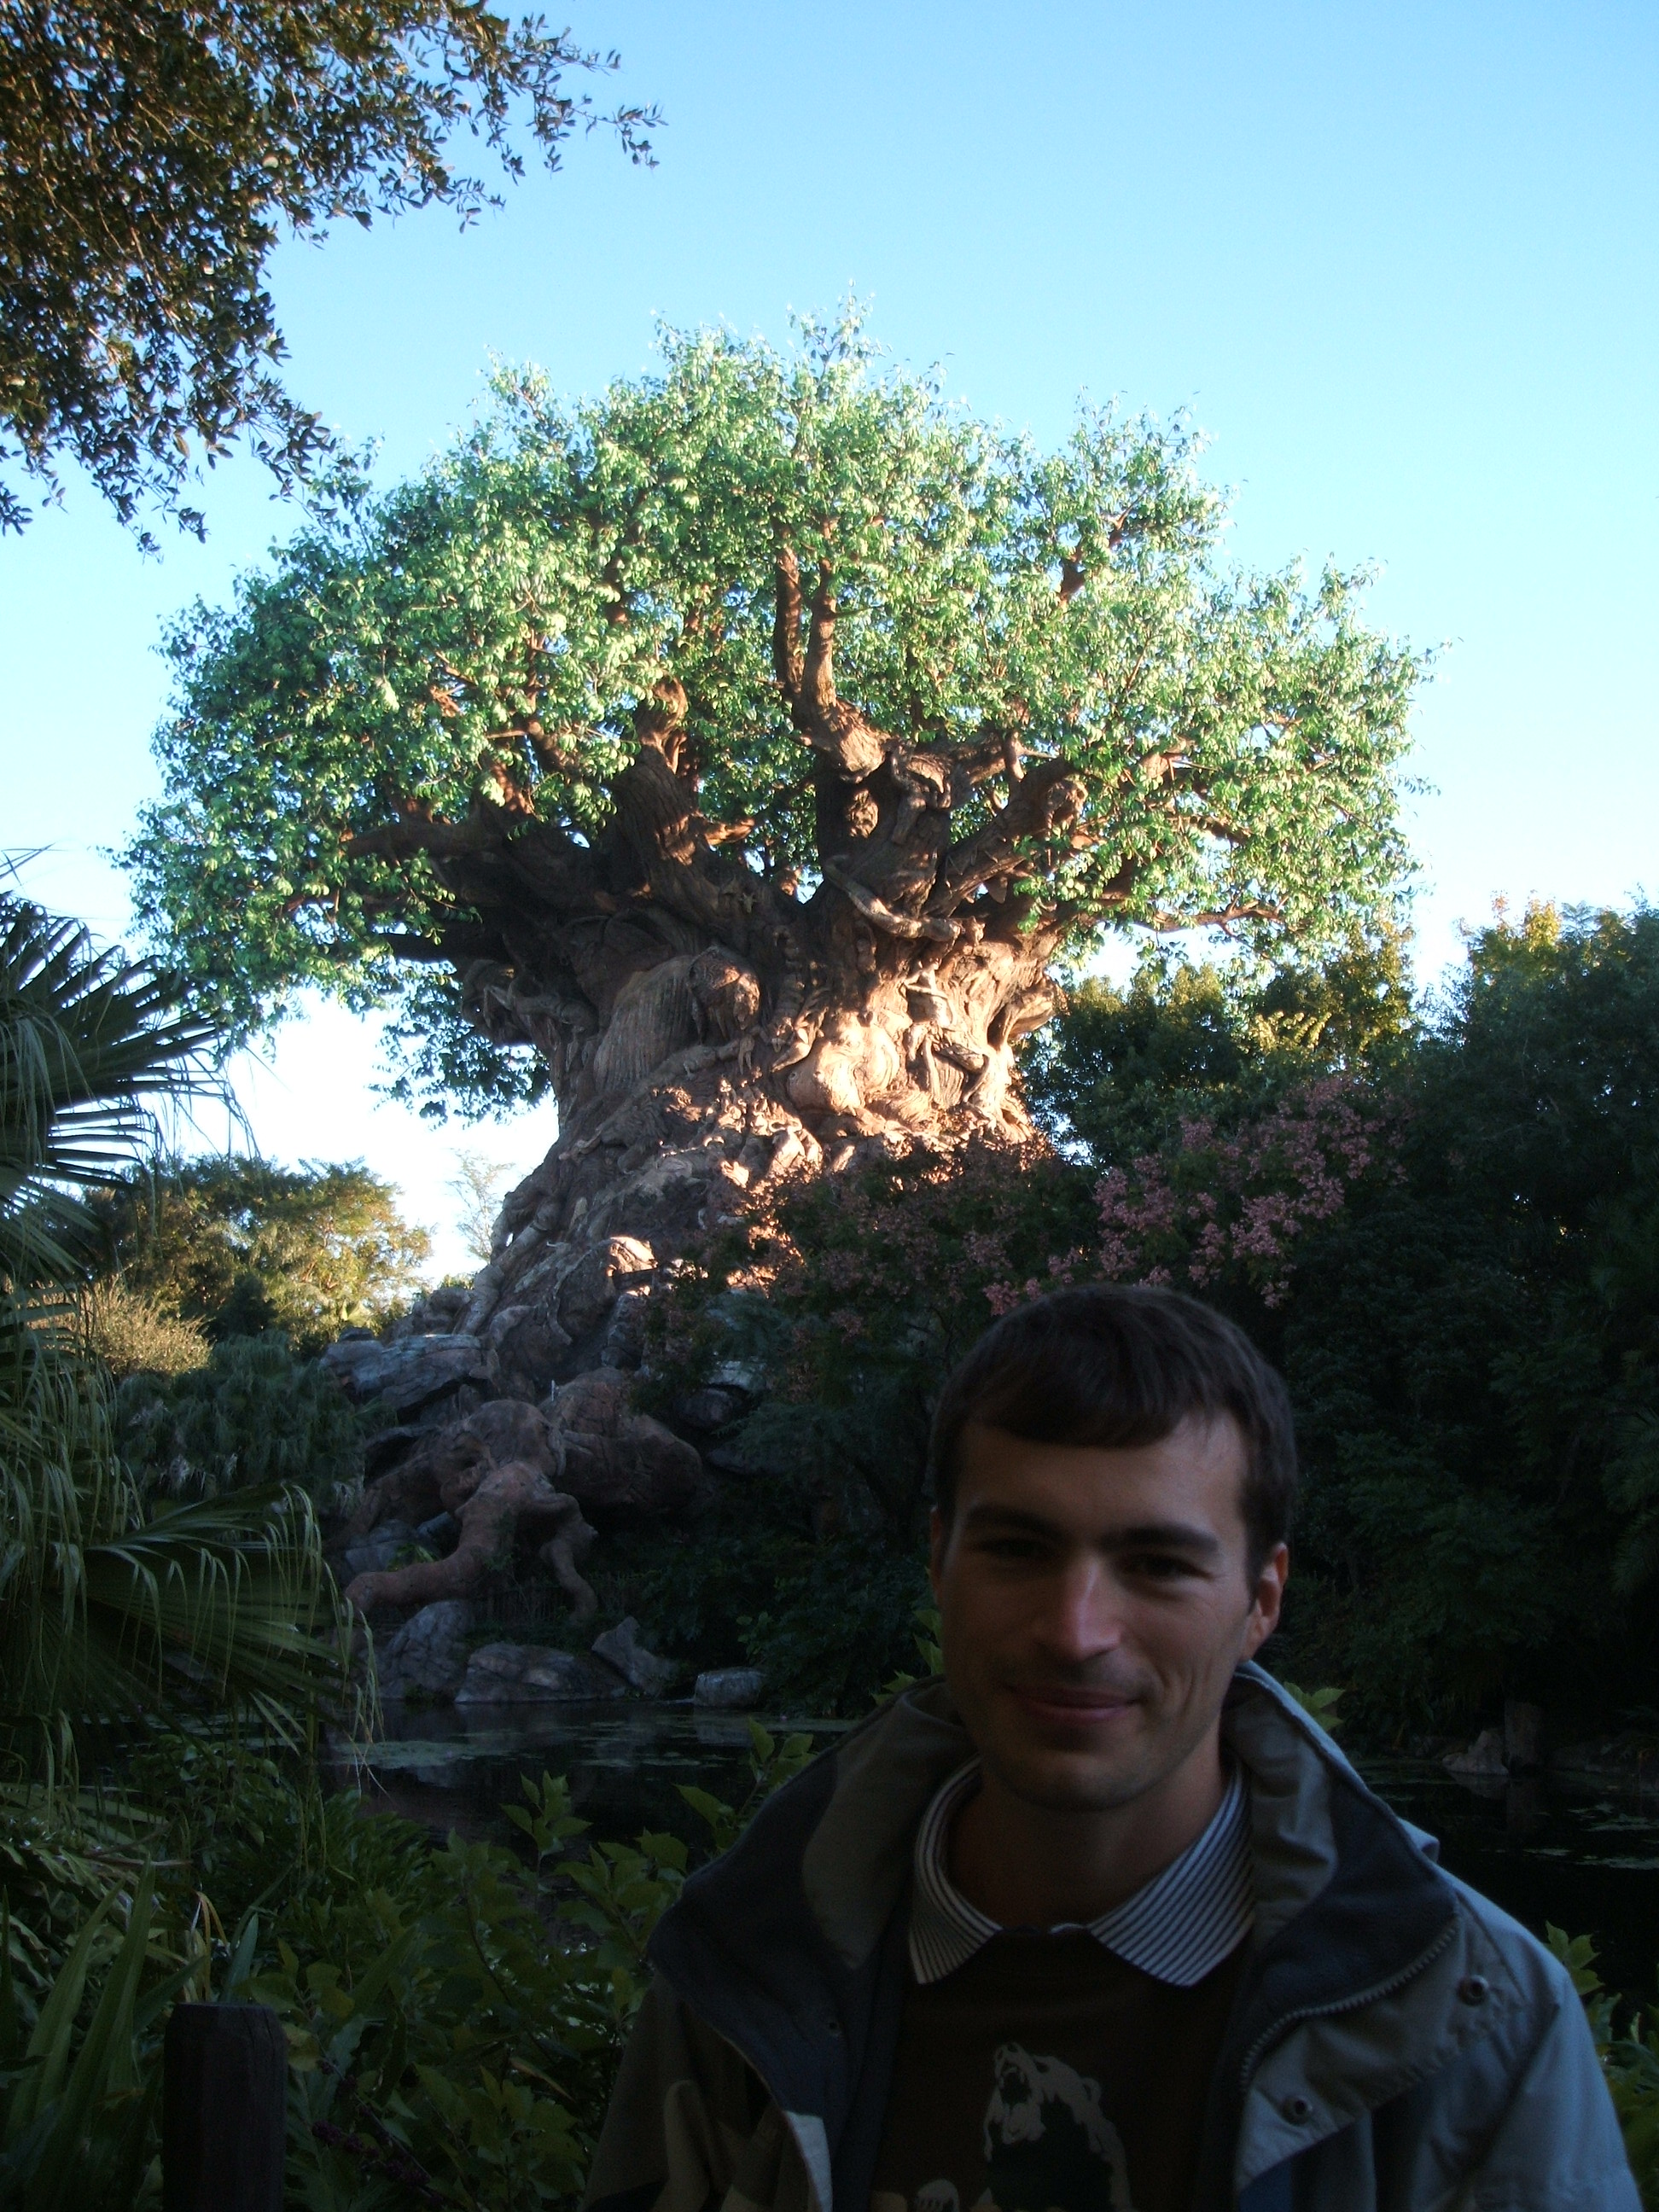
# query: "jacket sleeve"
688,2122
1557,2147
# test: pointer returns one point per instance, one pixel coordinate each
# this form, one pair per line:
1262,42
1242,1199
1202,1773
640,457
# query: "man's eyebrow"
1138,1536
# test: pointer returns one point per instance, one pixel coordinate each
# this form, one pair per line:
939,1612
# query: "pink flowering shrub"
1210,1207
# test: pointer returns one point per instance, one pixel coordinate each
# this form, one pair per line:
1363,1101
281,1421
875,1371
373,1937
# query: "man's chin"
1067,1782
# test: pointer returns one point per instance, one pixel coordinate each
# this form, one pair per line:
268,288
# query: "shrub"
442,2047
132,1335
253,1414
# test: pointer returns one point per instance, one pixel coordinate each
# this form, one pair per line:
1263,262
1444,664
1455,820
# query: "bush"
1452,1252
840,1308
132,1335
441,2046
253,1414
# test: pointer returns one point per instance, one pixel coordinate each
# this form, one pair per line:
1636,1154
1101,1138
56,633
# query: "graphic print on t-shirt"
1048,2146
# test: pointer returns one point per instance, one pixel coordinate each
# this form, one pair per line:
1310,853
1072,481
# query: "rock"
370,1553
440,1532
531,1674
410,1374
594,1283
446,1465
620,1647
1485,1756
429,1653
528,1345
621,1465
383,1450
705,1411
735,1689
738,1375
624,1341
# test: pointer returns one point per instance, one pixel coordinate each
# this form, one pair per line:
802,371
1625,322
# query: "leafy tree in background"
1463,1213
1443,1225
247,1416
155,155
1474,1349
737,752
1185,1039
241,1247
477,1185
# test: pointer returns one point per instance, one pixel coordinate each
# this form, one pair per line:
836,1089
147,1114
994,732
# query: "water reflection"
1547,1849
456,1766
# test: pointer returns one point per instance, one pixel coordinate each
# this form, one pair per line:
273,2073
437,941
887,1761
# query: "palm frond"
90,1043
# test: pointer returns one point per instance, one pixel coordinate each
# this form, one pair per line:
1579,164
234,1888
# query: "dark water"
1586,1859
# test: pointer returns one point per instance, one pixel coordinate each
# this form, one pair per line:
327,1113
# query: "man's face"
1095,1604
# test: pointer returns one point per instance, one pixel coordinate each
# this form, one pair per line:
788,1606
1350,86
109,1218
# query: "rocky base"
432,1658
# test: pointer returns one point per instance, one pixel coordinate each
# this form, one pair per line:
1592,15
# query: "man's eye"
1159,1566
1011,1547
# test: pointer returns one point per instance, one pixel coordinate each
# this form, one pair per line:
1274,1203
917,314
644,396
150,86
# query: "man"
1103,1921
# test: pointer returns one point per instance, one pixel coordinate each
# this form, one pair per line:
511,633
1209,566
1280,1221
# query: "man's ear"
1269,1599
938,1536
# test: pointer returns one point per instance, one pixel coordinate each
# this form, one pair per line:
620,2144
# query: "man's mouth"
1071,1704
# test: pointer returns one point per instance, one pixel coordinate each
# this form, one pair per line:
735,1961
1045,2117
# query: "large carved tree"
742,749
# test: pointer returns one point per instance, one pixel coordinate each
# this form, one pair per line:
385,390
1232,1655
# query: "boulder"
598,1279
408,1375
379,1547
531,1674
621,1465
528,1344
705,1411
429,1653
620,1647
1485,1756
731,1689
625,1339
448,1464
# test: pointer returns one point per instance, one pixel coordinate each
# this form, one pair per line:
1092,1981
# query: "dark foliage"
156,152
253,1415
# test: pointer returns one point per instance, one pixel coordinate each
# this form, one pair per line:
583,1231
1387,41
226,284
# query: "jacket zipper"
1343,2004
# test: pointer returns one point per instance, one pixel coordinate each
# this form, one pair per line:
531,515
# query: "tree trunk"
706,1028
707,1073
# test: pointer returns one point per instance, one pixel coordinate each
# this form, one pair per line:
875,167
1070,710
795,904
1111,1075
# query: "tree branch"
830,726
786,628
1047,798
881,916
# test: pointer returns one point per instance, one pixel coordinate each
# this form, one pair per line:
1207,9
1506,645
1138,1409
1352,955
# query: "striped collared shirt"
1178,1928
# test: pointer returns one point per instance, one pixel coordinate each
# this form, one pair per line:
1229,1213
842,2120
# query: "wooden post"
1523,1737
224,2109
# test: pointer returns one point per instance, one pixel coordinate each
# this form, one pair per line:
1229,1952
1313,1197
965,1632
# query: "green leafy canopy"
463,659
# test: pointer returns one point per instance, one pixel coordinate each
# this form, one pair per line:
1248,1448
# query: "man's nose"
1082,1617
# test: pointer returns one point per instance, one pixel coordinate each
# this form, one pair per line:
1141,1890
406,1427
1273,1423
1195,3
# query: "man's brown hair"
1115,1366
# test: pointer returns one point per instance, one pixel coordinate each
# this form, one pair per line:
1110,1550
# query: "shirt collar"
1178,1928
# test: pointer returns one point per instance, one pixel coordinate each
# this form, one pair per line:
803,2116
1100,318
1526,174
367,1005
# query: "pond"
1586,1858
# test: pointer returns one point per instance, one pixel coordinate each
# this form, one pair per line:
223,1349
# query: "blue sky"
1399,261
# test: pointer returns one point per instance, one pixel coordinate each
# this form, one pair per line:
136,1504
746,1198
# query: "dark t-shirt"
1048,2076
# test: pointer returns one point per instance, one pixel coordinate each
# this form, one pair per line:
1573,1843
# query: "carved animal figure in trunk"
734,756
